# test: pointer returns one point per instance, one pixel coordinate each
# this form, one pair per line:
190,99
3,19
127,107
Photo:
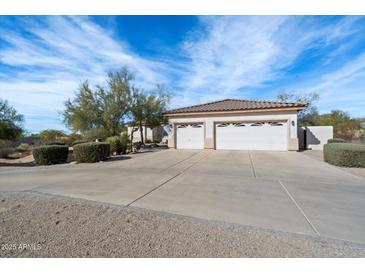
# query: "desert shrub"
55,143
124,141
78,142
96,133
115,144
336,140
23,147
49,155
344,154
6,144
6,151
91,152
70,139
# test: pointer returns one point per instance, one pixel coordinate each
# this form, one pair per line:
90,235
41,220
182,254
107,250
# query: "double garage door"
265,135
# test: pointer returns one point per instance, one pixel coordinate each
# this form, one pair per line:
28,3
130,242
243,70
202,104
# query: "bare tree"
308,116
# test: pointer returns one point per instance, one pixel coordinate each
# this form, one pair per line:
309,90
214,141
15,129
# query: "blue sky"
200,59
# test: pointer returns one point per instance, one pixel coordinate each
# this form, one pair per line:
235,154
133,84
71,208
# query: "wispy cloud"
49,57
343,88
43,59
233,54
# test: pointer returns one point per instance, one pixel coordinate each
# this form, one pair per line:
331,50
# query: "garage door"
252,136
190,136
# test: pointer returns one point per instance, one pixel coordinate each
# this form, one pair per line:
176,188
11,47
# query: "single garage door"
252,135
190,136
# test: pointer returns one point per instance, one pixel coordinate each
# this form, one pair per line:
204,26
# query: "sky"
43,60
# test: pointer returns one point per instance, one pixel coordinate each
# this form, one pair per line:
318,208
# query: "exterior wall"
208,120
316,137
154,134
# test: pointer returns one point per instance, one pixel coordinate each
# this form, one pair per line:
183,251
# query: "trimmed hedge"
77,142
344,154
336,140
50,155
91,152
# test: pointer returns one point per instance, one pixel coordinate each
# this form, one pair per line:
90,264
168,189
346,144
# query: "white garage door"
190,136
252,136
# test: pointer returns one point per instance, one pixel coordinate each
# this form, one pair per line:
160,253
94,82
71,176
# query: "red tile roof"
236,105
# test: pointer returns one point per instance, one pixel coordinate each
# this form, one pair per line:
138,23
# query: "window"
223,125
275,124
181,126
196,125
258,124
239,124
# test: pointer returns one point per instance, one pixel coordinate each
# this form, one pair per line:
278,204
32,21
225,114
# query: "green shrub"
91,152
6,151
23,147
49,155
115,144
55,143
6,144
124,140
78,142
336,140
344,154
96,133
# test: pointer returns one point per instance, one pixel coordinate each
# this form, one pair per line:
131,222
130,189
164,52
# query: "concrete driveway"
285,191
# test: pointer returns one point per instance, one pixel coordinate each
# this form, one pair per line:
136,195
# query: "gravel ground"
38,225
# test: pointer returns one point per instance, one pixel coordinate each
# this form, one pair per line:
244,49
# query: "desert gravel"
39,225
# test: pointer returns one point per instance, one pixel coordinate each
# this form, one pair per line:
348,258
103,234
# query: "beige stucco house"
236,125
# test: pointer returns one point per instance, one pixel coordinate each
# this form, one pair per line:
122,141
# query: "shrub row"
50,154
343,154
91,152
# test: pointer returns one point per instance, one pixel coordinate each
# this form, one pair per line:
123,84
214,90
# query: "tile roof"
235,104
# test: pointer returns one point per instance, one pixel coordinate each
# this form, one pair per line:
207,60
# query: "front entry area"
190,136
262,135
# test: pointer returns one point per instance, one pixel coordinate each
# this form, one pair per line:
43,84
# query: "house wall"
154,134
208,121
316,137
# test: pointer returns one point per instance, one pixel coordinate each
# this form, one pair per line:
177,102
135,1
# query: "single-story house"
235,124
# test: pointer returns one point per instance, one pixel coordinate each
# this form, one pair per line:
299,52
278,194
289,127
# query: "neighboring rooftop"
235,104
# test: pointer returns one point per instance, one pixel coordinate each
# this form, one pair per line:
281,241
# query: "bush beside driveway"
318,155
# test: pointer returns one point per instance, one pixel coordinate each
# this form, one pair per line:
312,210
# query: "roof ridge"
268,101
251,104
199,105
